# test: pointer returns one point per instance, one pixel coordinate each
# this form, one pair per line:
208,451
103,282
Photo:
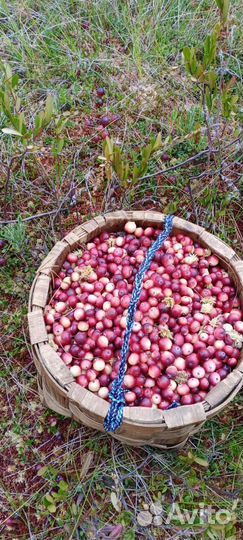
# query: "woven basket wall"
57,387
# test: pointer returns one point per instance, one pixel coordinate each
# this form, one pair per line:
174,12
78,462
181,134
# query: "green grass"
133,49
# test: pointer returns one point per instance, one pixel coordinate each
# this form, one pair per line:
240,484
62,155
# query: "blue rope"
115,414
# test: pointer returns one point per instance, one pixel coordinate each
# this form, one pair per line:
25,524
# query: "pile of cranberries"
188,328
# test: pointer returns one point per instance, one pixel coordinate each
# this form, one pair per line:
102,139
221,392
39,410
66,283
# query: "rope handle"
114,417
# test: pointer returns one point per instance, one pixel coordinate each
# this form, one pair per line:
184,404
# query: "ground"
60,480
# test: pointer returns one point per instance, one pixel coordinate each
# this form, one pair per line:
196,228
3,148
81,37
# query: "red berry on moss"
99,103
100,91
105,121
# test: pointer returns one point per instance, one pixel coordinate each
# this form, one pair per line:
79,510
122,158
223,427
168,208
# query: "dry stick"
163,171
187,161
9,168
30,218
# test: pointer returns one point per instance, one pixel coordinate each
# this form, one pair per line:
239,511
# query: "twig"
187,161
30,218
9,170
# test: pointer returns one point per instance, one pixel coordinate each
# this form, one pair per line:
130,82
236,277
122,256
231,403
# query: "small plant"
215,91
224,6
15,235
10,105
218,98
26,133
51,500
116,162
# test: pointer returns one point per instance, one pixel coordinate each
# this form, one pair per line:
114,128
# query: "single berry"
99,103
100,91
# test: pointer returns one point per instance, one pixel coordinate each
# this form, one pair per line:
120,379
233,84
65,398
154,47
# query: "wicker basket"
57,387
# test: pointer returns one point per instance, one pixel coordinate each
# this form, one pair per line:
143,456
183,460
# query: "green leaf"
17,104
158,142
11,131
129,535
118,162
49,498
115,502
212,79
223,6
196,459
61,125
52,508
210,49
225,11
38,124
58,145
187,54
108,149
63,486
135,172
190,60
15,80
74,509
48,109
209,99
200,461
8,72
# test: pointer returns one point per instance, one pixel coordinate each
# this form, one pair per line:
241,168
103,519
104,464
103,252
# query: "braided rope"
114,417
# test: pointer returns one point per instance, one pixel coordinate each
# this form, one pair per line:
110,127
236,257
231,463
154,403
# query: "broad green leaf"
210,49
108,149
5,103
223,6
225,10
38,124
117,162
135,172
212,79
58,145
49,498
158,142
11,131
15,80
74,509
48,109
17,104
63,486
115,502
61,125
187,54
201,461
194,65
52,508
8,72
190,60
126,172
146,152
209,100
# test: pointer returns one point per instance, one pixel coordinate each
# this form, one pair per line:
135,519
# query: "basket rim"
54,367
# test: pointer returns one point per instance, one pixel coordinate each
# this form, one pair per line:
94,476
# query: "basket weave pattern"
57,387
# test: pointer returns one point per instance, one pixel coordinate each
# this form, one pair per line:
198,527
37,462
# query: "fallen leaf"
115,502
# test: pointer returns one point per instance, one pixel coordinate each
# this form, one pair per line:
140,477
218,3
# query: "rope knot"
115,414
